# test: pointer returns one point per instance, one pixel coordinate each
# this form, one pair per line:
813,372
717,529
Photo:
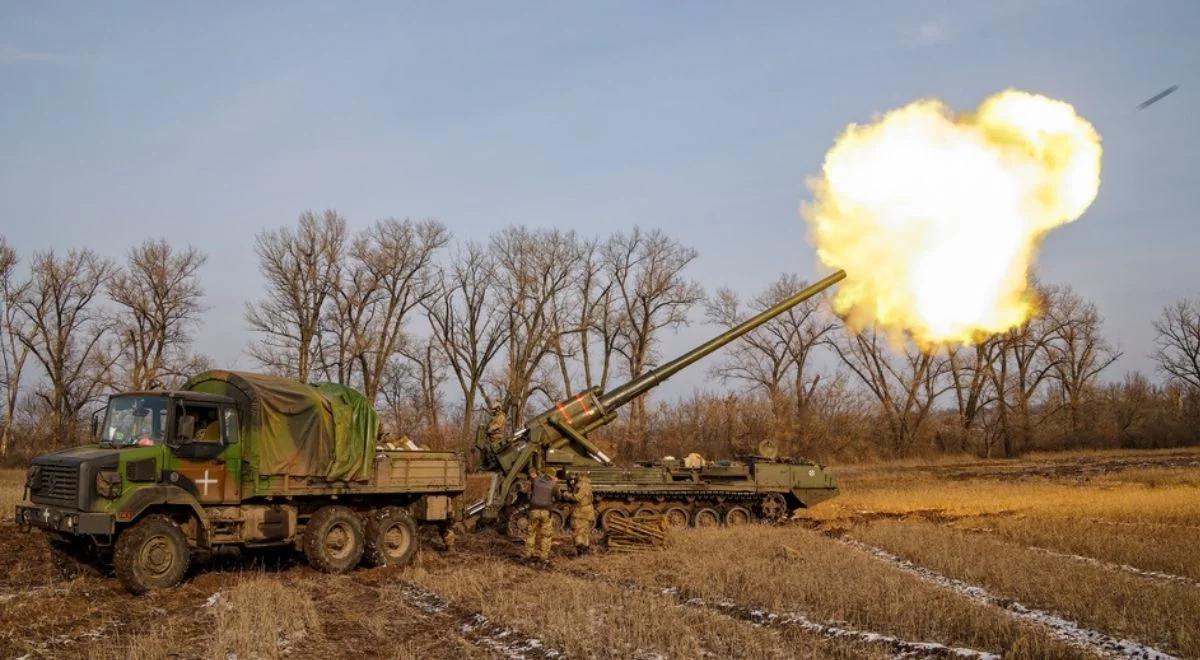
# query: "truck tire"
391,537
71,560
333,540
152,554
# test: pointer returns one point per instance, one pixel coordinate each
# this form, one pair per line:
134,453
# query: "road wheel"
677,516
333,539
391,537
72,560
558,522
706,517
774,508
152,554
609,514
646,511
737,516
518,525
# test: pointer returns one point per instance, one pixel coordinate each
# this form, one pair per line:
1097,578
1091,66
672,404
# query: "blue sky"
208,123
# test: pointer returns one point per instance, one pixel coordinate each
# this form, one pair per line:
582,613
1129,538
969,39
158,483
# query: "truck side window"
231,425
204,422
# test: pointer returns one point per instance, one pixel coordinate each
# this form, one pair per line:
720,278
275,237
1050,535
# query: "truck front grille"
56,484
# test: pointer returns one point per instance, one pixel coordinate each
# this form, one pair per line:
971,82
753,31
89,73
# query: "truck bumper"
67,521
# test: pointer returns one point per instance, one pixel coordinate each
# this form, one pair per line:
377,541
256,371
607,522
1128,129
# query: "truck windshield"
135,420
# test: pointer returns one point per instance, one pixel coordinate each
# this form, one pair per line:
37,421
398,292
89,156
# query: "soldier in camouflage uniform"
583,514
497,425
541,524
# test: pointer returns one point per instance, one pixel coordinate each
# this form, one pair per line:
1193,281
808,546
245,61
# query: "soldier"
497,425
541,524
583,515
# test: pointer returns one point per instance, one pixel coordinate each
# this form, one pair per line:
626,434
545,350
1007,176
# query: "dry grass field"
1053,556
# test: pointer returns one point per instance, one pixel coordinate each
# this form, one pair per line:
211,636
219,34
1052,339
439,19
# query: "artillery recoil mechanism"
727,492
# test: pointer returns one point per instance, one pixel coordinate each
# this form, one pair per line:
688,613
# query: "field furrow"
1121,609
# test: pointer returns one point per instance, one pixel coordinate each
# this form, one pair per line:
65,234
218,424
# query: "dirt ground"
1086,555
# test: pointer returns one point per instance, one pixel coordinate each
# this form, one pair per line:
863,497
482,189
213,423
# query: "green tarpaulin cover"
321,430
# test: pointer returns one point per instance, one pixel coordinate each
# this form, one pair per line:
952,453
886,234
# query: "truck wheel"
71,560
333,540
152,554
391,537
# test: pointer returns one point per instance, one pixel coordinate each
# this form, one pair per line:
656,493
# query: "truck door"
201,465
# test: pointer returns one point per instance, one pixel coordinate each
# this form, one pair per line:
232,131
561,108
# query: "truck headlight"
108,484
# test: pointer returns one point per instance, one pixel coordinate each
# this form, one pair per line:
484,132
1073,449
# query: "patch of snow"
1069,631
214,600
1115,567
499,639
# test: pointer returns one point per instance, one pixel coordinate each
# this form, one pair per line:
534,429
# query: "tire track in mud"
1144,524
476,628
1066,630
1111,566
1115,567
764,618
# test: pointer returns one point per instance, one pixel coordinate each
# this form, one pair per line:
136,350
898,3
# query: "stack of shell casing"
636,533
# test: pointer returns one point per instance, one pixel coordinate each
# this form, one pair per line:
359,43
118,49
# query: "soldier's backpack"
541,496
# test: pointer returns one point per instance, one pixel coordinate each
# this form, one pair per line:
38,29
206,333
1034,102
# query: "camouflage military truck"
231,461
725,492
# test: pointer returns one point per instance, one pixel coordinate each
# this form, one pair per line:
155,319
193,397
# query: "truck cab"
169,452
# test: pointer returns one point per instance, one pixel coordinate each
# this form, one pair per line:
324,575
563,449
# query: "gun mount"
559,436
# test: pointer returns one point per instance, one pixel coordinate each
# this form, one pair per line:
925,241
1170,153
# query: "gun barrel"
625,393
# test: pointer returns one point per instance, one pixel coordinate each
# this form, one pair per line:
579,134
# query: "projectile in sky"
1157,97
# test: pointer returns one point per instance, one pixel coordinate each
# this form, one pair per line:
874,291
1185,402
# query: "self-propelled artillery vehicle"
760,487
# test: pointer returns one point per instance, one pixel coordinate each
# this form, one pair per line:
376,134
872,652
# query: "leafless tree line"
524,318
435,330
76,325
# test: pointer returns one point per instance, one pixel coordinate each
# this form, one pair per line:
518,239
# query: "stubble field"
1051,556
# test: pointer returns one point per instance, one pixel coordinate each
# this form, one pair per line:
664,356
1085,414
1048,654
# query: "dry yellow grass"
594,619
1172,497
1147,611
12,491
261,617
796,570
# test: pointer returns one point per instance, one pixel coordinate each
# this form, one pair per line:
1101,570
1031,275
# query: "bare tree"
302,270
646,271
390,274
13,352
970,369
469,326
533,271
1078,350
66,332
160,299
773,358
1178,342
905,381
1021,367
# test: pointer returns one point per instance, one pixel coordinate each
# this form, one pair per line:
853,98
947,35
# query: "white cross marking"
206,481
